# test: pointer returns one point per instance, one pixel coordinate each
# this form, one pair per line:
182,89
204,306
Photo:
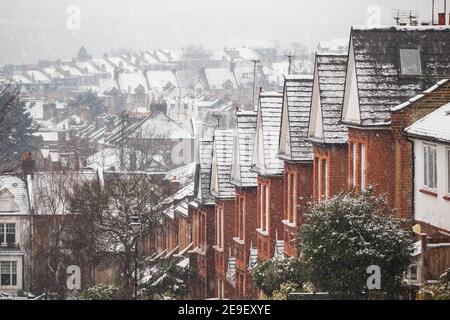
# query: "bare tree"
113,207
60,237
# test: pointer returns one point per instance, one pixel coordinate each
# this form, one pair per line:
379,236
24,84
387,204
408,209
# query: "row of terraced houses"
376,115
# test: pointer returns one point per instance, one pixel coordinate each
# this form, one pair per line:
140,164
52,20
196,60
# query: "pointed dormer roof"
244,138
221,164
328,91
294,143
202,191
265,154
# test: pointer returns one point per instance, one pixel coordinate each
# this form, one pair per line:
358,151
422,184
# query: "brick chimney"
49,110
27,164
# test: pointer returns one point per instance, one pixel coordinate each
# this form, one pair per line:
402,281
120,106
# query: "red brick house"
386,67
269,234
223,193
327,134
202,215
296,151
245,182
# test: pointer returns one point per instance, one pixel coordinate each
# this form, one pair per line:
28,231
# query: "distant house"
135,88
222,83
14,234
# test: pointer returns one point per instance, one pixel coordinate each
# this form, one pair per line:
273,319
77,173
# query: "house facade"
246,216
379,77
296,151
223,193
14,235
431,147
202,214
269,233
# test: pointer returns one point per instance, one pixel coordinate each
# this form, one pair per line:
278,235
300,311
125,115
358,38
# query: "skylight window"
410,62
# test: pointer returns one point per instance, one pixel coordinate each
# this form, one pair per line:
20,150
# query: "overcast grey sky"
37,29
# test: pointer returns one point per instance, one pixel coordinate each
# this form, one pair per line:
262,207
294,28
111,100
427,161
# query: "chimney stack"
27,164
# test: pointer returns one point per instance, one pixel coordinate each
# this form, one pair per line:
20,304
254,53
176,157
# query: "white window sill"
262,232
238,240
289,224
217,248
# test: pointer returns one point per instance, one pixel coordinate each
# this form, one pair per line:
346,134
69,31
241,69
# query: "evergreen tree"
345,235
91,100
16,131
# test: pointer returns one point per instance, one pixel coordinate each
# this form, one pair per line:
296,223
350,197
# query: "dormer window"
410,62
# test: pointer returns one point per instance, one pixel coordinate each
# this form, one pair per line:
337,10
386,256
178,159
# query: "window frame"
13,276
427,175
363,155
4,232
448,169
421,63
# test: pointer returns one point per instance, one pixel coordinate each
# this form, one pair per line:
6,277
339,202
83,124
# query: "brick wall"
389,164
336,157
403,178
202,285
244,288
380,155
303,179
222,254
266,242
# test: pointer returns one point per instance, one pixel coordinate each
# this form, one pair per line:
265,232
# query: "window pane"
363,167
434,168
10,233
410,62
2,233
425,166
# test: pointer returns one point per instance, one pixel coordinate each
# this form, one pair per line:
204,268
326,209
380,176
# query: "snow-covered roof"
203,173
221,186
21,79
36,109
295,118
187,78
241,53
50,190
241,173
434,126
104,65
87,67
38,76
218,77
13,195
161,126
333,46
118,62
331,70
158,80
52,72
71,70
47,136
419,96
265,154
380,84
132,82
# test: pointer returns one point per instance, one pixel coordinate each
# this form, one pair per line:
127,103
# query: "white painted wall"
350,111
430,209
